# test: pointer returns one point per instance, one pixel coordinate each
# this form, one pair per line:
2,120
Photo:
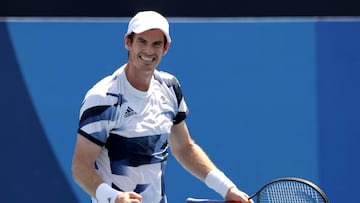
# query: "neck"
139,80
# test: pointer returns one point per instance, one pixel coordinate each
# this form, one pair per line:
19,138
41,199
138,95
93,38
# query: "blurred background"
272,86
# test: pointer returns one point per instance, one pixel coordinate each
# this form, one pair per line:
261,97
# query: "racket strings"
289,192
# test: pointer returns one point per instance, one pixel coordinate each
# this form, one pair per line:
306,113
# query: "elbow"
180,151
76,171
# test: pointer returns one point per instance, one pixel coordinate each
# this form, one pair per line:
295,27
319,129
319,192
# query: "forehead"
153,34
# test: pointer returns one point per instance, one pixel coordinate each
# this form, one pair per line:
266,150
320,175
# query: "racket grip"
194,200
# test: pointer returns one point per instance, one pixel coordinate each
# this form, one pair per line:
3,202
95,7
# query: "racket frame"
303,181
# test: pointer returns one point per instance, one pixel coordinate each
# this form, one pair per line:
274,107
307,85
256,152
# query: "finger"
134,195
135,201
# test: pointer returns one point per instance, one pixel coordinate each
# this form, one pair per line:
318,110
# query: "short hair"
132,34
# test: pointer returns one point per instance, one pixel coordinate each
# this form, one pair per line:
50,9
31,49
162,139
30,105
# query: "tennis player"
130,119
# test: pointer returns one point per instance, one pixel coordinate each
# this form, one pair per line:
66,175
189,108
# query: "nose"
149,50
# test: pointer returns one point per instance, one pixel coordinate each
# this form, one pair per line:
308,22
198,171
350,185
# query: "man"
129,120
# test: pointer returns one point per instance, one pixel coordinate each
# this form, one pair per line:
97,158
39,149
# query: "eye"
142,41
158,44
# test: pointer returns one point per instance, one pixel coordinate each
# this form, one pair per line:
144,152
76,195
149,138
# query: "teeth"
145,58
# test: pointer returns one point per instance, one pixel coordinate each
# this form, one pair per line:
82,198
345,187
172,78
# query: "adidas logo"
129,112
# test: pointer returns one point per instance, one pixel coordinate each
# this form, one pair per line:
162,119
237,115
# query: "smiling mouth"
147,58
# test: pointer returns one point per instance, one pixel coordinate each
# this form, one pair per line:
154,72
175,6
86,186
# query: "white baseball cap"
146,20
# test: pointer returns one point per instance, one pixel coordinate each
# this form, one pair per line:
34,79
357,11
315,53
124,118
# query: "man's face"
146,49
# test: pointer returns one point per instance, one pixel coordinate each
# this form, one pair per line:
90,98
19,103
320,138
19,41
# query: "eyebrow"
155,42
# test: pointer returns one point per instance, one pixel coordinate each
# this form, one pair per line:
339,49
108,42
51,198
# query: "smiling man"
130,119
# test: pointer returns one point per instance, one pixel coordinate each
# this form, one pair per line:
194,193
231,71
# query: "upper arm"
179,138
86,152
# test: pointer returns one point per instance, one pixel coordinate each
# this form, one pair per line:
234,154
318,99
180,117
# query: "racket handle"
194,200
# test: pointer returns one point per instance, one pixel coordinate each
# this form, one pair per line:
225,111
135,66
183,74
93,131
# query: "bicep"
86,152
179,137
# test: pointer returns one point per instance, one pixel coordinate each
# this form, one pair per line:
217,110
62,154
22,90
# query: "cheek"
160,52
132,51
132,56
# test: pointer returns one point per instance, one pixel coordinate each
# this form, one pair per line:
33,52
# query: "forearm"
86,178
195,160
83,170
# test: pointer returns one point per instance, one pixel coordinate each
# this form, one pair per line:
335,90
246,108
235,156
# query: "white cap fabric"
146,20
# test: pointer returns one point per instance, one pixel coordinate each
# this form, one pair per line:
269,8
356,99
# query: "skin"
145,53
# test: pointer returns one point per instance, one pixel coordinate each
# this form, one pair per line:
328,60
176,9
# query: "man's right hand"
128,197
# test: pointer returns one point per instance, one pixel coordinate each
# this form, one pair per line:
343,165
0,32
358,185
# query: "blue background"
268,98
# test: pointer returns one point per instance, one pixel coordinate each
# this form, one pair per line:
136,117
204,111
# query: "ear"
166,48
127,42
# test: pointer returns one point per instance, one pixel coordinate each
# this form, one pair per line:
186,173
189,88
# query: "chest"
145,116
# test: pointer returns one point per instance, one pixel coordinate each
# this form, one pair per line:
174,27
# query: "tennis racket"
282,190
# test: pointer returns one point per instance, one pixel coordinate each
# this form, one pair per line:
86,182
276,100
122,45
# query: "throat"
140,81
144,87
